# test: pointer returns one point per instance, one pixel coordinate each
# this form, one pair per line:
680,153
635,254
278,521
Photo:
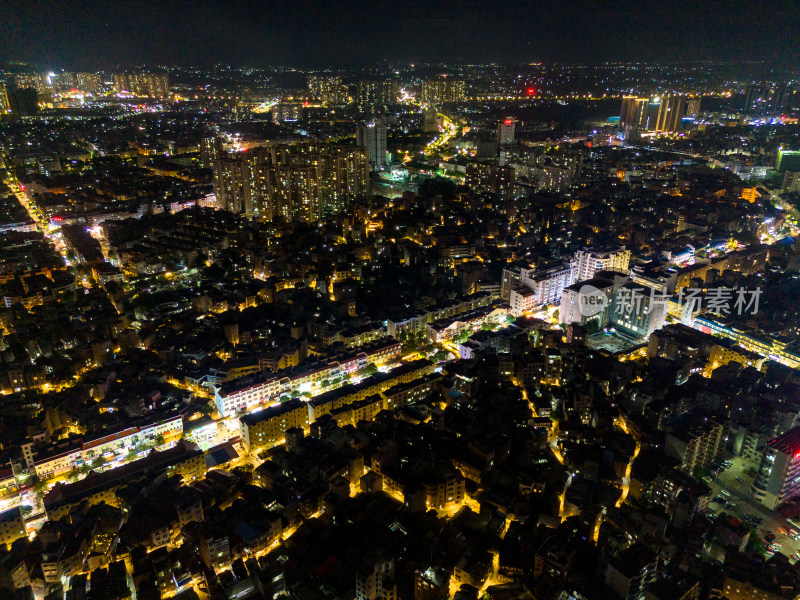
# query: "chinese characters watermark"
629,300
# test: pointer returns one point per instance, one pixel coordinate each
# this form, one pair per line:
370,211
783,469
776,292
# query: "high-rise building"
639,114
636,311
31,80
671,113
485,177
778,479
289,192
505,132
23,101
232,184
590,300
630,115
4,105
287,112
443,89
149,85
88,82
374,95
293,182
373,138
328,88
210,150
345,177
61,82
693,107
766,99
547,284
431,120
588,262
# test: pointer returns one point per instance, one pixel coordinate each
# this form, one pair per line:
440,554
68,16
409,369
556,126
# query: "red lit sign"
507,122
531,91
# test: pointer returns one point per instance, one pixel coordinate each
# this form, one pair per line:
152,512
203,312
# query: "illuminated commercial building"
786,352
633,108
505,132
662,115
54,461
443,89
778,479
692,107
246,394
788,160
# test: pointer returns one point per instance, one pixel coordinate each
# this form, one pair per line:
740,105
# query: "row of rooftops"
285,407
93,440
307,369
454,304
94,482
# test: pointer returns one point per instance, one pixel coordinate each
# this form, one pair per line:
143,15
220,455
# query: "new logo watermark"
591,301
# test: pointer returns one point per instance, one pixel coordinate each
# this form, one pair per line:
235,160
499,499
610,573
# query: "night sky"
89,35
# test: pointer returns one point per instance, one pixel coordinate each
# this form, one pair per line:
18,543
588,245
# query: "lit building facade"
443,89
149,85
328,88
293,182
505,132
588,262
778,479
635,311
372,137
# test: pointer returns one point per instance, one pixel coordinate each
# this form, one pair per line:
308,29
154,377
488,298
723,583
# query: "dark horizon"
91,35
